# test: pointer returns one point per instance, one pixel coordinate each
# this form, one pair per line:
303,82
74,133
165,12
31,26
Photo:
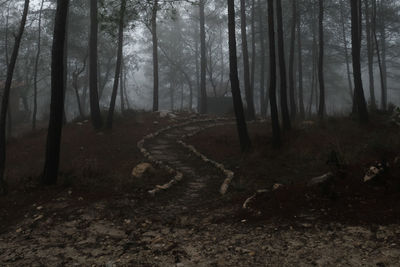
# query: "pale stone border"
178,176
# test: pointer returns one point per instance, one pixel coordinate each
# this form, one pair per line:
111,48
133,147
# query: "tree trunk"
300,67
263,107
35,71
93,86
121,84
321,109
253,50
203,59
370,52
276,130
246,64
57,96
244,138
282,69
356,51
118,65
6,97
291,62
155,55
346,50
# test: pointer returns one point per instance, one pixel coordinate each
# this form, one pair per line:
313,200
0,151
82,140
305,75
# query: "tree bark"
203,59
52,158
321,80
35,71
282,69
253,50
346,50
244,138
293,109
263,107
118,65
300,67
155,54
246,64
276,131
370,52
6,97
356,51
93,82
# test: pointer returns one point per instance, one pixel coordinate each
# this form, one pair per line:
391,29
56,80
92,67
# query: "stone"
142,169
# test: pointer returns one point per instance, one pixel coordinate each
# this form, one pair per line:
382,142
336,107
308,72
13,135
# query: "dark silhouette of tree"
282,68
246,65
321,109
6,96
263,102
57,96
154,12
293,109
300,66
244,138
35,75
118,65
361,105
93,86
203,59
276,130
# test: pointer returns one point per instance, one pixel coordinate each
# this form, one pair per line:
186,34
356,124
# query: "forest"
199,132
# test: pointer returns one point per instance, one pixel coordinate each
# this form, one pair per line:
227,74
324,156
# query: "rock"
320,179
141,169
276,186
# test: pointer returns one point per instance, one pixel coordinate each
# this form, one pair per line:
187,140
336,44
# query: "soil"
99,215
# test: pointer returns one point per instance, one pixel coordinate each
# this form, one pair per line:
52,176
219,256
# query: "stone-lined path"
189,224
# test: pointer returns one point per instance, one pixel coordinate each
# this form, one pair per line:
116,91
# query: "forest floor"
100,215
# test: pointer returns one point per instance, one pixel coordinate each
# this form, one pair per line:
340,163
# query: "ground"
100,215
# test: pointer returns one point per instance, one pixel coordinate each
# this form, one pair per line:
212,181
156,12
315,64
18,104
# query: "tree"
155,54
36,67
93,86
361,105
263,103
282,68
300,67
291,62
57,96
118,65
203,59
370,52
246,65
276,131
244,138
321,109
6,96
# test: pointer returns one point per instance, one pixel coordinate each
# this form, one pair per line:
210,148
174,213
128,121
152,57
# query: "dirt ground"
99,215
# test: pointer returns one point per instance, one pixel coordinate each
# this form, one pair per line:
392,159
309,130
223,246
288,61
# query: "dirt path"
188,225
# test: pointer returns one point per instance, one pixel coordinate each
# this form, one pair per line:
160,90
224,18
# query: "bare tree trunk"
121,85
155,55
293,110
203,59
6,96
346,49
118,65
51,165
93,86
244,138
356,51
321,109
263,107
253,48
378,53
35,71
282,69
370,52
300,67
276,130
246,65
